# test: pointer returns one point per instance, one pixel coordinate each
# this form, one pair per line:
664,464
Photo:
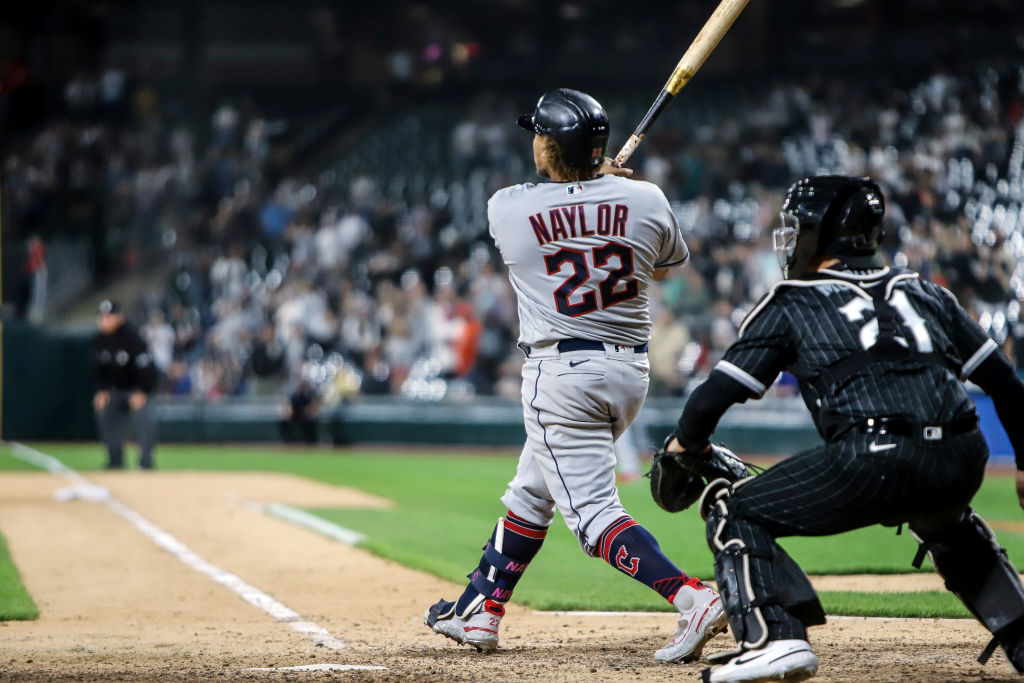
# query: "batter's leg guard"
975,567
511,548
766,594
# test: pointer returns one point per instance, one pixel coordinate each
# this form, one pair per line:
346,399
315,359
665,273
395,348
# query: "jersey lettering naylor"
806,325
581,256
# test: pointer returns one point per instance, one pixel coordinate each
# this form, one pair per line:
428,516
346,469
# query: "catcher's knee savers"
792,590
975,567
498,574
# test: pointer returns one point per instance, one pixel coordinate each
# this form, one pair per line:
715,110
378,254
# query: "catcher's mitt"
677,479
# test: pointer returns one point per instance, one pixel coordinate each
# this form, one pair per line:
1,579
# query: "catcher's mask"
840,216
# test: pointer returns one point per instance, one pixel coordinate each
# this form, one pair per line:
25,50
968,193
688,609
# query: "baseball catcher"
880,356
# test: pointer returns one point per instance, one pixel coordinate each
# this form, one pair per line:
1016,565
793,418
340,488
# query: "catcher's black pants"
854,482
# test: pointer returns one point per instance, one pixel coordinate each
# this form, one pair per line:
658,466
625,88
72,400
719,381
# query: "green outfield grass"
15,602
446,506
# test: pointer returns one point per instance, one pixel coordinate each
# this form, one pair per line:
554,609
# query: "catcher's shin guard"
509,551
976,569
756,574
732,571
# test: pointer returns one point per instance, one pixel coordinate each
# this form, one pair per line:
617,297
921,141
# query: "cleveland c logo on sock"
634,562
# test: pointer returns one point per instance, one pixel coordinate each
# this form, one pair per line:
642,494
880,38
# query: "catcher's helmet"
576,121
836,215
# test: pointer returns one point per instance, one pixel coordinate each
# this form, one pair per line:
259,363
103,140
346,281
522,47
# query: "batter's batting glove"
678,479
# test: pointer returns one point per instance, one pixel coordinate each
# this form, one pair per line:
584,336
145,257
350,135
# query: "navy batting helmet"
836,215
577,122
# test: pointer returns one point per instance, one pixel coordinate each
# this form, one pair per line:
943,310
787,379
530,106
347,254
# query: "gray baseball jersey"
581,256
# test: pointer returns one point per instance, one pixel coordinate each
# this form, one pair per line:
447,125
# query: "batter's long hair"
552,155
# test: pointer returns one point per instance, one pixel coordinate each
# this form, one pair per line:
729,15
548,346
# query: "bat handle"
664,97
627,149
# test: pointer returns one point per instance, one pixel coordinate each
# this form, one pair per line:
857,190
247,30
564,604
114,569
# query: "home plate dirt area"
183,576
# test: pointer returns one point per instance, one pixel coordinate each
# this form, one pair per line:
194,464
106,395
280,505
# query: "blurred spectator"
178,379
299,414
159,337
31,297
267,360
669,341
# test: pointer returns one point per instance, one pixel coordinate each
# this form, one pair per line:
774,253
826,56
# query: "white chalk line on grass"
314,523
254,596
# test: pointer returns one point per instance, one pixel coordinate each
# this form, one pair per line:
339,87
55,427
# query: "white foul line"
254,596
314,523
321,667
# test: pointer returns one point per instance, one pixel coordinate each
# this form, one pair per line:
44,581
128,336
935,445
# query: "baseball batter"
581,252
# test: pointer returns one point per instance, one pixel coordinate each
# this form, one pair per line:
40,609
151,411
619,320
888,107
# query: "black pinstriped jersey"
808,325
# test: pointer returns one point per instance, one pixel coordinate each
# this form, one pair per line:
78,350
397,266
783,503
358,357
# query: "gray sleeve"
492,219
674,251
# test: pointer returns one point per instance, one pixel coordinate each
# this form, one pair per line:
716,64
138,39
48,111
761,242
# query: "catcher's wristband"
692,448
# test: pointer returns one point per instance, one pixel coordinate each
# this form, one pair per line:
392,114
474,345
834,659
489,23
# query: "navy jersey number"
629,289
616,287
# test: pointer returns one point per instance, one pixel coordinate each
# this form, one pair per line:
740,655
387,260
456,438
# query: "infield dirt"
114,606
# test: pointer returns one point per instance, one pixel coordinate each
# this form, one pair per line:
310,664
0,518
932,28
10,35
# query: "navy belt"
928,431
587,345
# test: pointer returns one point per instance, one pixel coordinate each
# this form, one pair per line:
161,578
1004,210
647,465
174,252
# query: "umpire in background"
880,356
125,376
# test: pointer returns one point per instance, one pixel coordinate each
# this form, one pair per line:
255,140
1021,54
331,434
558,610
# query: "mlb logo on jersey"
574,189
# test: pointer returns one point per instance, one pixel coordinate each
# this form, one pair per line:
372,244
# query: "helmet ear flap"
857,224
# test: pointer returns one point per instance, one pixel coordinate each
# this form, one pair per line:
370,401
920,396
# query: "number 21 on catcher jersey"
855,310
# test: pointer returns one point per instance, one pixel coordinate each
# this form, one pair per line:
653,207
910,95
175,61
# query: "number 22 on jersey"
854,311
615,288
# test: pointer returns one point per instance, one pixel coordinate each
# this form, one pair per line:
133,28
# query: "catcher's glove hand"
677,479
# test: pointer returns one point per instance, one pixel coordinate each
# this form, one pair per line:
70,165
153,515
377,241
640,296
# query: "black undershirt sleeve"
705,408
999,380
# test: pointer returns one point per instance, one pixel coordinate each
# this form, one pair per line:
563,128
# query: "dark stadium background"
281,191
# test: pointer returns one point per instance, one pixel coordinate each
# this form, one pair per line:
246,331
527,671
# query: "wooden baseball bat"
706,41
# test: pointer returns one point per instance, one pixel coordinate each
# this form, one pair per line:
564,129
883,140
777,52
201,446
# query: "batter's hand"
100,401
137,400
608,167
1020,487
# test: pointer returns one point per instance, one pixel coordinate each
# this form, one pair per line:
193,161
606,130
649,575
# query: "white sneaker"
778,660
702,618
479,629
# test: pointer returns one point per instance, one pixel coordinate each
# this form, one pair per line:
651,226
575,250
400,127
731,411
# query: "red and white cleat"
479,629
702,618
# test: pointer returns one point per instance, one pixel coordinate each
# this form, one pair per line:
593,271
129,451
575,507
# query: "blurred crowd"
377,276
